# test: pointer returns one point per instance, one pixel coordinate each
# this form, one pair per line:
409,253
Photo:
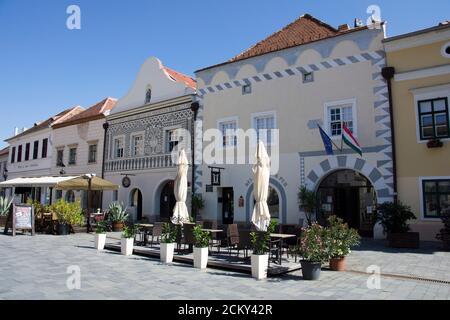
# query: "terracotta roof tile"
4,151
181,77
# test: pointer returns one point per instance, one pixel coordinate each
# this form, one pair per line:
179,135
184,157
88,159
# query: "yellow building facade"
420,88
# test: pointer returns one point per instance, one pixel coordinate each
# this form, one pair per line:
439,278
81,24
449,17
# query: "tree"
308,202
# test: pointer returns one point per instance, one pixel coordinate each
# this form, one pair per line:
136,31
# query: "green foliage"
102,227
261,240
201,238
314,244
130,232
169,233
68,213
118,212
395,216
444,234
5,205
307,200
341,238
39,208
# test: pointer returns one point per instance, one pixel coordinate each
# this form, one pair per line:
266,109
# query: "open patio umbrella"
180,212
261,176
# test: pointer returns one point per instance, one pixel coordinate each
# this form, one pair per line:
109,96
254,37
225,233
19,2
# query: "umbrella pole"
89,206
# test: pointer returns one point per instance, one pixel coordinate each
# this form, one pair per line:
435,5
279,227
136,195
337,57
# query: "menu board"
23,218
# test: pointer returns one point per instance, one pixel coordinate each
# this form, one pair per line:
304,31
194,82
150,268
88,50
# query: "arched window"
273,201
148,96
70,196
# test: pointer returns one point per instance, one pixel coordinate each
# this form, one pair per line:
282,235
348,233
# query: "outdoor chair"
245,242
156,233
290,242
232,237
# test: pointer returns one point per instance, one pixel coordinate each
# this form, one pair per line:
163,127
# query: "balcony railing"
133,164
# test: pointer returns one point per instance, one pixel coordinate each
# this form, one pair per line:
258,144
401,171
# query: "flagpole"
330,138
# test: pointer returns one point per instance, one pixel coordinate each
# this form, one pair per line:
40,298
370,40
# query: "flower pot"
167,250
200,258
100,240
337,264
260,264
126,246
63,229
117,226
311,270
407,240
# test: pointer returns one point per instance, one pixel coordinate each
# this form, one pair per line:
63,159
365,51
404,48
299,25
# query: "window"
247,89
92,158
138,145
148,96
264,124
228,129
445,51
35,150
339,115
13,155
27,151
70,196
115,196
72,156
308,77
59,194
436,198
19,154
433,119
172,140
119,147
60,157
44,148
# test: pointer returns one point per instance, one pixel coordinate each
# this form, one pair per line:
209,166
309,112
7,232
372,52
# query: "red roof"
181,77
305,29
95,112
4,152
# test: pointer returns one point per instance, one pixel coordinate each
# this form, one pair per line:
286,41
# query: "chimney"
343,27
358,23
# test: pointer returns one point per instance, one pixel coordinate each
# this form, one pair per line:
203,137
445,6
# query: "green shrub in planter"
341,238
169,233
201,238
129,232
261,240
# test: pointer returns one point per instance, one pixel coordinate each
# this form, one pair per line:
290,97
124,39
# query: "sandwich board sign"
23,218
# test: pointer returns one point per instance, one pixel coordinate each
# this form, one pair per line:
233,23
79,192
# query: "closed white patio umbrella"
180,212
261,177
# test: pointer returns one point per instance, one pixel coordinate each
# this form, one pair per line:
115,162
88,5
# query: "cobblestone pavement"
34,268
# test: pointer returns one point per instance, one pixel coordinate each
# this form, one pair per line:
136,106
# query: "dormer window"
148,96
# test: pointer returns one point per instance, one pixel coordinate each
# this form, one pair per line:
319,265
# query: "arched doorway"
136,202
349,195
273,202
167,201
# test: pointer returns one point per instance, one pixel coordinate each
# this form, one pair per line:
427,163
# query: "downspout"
388,74
194,107
105,128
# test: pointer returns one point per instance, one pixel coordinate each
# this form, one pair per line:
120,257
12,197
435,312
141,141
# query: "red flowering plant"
314,244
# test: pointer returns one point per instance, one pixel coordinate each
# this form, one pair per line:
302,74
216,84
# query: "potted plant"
68,215
201,244
118,216
444,234
341,239
5,206
394,218
127,241
314,249
307,200
100,235
168,242
261,246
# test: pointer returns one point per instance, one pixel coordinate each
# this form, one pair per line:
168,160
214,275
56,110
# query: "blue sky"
46,68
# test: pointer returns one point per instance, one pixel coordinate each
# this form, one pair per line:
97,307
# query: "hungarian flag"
350,140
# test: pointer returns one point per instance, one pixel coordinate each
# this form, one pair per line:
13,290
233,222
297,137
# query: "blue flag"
327,142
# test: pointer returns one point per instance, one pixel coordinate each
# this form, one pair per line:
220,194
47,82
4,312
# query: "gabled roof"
180,77
4,152
97,111
305,29
60,117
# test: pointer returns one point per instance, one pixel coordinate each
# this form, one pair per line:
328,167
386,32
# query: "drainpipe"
388,74
194,107
105,128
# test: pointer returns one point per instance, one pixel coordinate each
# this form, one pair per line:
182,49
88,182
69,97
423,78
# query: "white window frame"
219,124
442,91
171,128
337,103
422,200
89,152
114,147
76,155
257,115
134,135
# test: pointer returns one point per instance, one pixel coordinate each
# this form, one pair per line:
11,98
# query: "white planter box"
100,240
167,250
127,246
200,258
260,264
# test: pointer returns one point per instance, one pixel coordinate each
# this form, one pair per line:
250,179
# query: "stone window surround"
331,104
132,136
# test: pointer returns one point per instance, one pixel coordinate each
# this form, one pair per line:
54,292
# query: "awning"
62,183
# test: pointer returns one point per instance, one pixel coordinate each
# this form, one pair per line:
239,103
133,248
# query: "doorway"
167,202
227,206
136,202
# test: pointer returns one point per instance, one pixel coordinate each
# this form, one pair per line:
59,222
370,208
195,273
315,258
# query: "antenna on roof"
358,23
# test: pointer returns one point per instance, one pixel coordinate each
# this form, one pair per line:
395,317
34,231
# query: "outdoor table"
281,237
213,230
145,227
